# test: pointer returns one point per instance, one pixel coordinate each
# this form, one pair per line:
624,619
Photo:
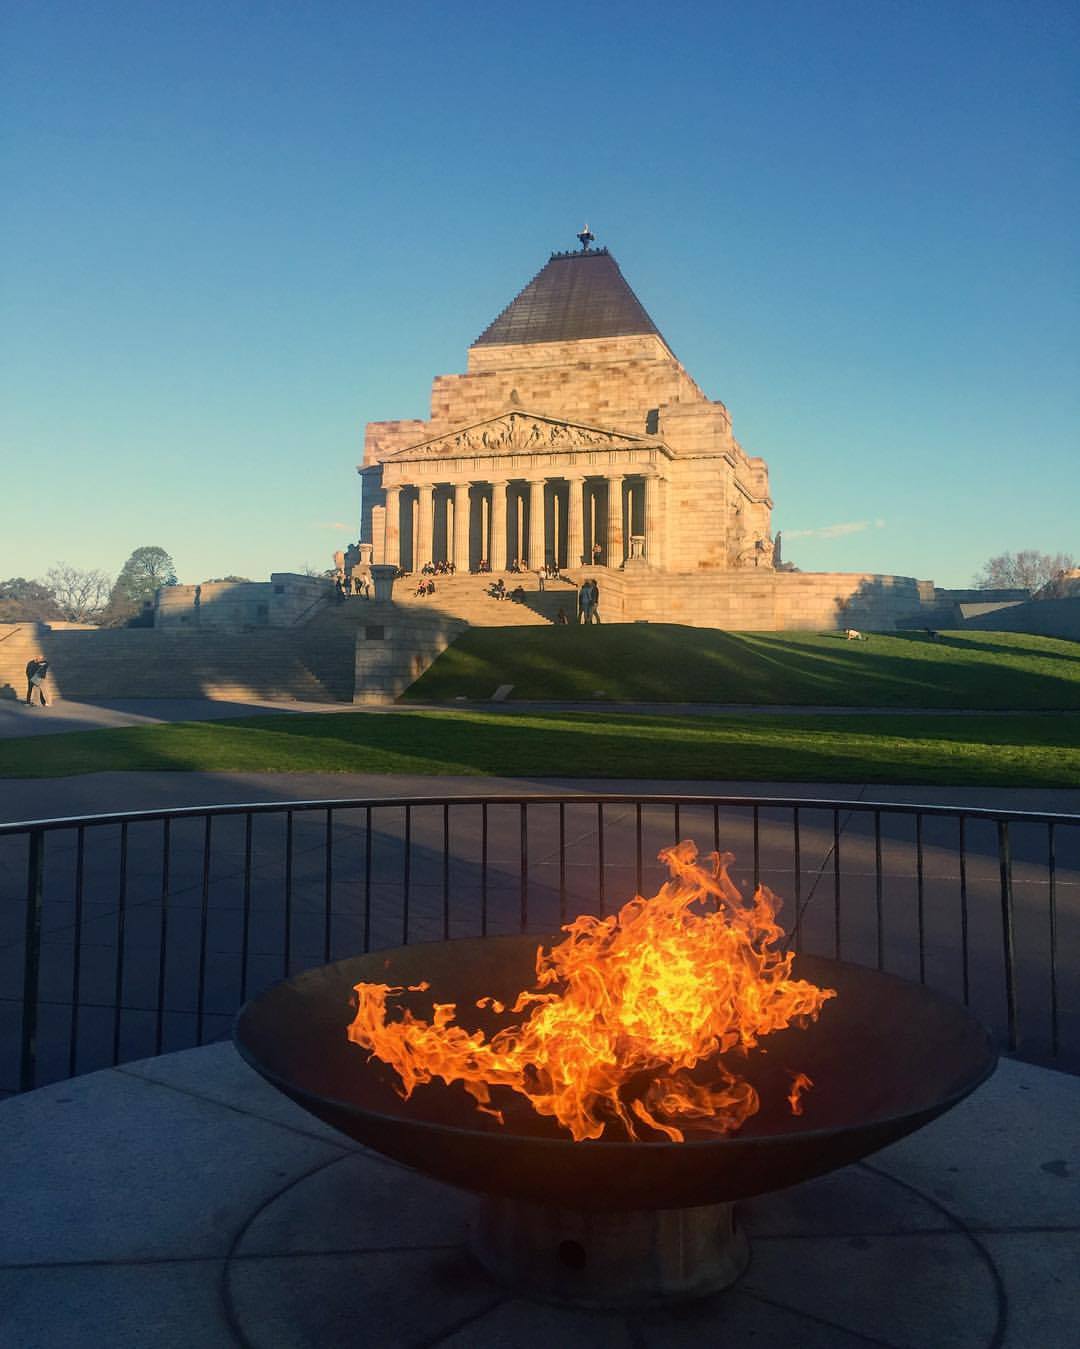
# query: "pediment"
517,432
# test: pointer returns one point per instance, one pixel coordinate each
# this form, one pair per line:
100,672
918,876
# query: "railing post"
1008,940
35,875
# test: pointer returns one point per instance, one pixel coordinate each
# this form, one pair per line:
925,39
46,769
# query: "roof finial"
586,238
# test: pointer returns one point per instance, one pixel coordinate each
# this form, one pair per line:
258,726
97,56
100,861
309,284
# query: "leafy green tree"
141,576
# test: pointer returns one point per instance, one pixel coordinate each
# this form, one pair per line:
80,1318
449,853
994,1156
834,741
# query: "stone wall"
611,382
286,599
619,383
1043,618
761,600
393,654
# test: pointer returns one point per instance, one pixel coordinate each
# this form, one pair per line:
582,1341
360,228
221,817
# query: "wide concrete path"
181,1201
94,793
18,720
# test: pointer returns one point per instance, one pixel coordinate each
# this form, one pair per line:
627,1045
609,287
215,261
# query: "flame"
799,1084
644,997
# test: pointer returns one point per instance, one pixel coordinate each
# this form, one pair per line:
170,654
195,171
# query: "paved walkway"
181,1201
99,793
17,720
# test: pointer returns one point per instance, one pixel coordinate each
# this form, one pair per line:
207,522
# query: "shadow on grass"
1014,751
671,663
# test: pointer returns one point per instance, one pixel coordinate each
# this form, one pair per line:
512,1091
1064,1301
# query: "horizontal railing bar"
616,798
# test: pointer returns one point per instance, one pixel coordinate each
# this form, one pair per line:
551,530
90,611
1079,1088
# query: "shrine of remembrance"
575,438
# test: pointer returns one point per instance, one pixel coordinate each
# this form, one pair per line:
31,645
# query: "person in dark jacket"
37,667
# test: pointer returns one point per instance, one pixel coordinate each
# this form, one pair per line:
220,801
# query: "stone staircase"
149,663
466,598
396,640
462,599
358,649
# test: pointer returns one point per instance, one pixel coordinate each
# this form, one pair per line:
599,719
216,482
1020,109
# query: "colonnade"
569,521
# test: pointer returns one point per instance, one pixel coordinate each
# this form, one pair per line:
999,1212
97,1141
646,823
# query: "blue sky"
235,232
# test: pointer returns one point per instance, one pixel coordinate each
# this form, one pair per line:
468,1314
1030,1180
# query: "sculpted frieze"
513,434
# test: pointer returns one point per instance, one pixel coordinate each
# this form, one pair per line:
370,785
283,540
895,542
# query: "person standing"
37,667
594,605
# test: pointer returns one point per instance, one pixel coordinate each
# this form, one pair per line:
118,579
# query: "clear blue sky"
235,232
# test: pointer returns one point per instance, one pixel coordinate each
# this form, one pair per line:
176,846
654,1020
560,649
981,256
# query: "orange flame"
646,995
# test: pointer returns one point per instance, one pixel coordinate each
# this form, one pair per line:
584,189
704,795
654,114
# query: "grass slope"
666,663
981,750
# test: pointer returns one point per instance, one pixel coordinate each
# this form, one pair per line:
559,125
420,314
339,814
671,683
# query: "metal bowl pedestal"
609,1260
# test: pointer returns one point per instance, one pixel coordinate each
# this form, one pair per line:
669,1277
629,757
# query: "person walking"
37,667
594,606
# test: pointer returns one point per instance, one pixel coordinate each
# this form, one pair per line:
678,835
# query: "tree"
23,601
141,576
1025,570
80,595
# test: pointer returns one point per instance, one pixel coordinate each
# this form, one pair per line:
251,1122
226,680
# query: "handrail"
319,599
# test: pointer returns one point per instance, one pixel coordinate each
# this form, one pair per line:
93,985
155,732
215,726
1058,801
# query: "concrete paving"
17,720
181,1201
93,793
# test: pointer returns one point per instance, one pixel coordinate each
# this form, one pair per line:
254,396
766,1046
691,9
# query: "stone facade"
575,436
590,450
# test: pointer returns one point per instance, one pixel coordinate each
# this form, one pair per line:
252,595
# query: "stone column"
613,542
536,525
498,526
378,534
575,522
461,526
648,488
392,554
425,521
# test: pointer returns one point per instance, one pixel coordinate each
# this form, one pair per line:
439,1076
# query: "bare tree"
1025,570
81,595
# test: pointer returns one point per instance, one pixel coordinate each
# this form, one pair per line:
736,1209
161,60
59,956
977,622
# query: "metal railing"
129,935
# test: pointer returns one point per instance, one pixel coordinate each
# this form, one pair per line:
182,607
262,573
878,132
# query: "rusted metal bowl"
886,1056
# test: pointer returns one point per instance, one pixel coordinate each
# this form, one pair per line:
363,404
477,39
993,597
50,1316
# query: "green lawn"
663,662
1030,750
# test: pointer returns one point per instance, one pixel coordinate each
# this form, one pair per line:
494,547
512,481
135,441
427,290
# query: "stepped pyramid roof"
575,295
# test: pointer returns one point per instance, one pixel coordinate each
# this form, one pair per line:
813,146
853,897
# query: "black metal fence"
123,936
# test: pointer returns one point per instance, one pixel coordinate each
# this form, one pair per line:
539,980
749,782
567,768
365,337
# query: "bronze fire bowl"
886,1057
